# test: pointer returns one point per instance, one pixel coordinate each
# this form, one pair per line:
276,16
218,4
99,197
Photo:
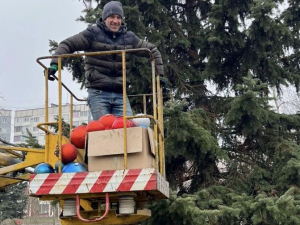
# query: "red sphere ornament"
107,120
78,136
94,125
119,123
68,153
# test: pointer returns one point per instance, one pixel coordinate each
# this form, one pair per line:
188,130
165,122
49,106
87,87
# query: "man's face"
113,22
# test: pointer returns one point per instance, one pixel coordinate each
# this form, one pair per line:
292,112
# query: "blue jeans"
103,102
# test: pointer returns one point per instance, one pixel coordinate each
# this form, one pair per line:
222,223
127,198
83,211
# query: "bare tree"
288,102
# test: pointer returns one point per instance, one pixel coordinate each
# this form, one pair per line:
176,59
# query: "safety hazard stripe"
96,182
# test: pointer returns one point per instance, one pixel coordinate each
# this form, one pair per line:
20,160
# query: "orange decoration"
107,120
68,153
78,136
94,125
119,123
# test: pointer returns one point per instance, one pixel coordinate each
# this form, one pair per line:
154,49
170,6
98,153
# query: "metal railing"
157,116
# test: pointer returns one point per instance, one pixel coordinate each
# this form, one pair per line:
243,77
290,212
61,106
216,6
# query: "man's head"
112,15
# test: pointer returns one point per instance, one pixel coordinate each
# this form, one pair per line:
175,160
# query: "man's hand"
51,71
163,83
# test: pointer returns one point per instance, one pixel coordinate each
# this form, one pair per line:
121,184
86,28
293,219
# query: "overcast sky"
25,30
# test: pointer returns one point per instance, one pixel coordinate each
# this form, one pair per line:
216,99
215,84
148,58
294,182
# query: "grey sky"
25,29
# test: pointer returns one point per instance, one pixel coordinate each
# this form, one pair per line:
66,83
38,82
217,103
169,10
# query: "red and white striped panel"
97,182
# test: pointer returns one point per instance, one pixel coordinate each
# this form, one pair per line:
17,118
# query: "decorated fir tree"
230,158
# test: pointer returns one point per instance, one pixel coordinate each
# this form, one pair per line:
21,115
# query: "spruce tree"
230,158
13,202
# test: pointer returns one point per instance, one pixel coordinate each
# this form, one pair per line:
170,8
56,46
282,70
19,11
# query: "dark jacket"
104,72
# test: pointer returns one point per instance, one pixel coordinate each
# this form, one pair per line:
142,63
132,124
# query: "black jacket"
104,72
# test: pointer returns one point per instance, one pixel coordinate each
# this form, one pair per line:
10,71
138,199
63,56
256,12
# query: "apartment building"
29,119
5,124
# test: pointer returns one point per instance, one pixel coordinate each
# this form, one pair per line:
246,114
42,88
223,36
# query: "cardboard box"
105,149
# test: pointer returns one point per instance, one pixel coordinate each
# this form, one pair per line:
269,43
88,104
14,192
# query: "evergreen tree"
230,158
31,141
13,202
65,128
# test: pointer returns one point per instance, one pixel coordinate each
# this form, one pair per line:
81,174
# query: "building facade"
5,125
29,119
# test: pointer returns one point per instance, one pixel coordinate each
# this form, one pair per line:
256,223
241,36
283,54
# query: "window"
18,120
17,138
44,207
84,114
36,119
25,128
22,139
26,119
75,124
18,129
76,114
22,128
4,120
66,117
35,129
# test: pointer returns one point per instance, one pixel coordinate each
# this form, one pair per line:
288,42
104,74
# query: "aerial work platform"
104,195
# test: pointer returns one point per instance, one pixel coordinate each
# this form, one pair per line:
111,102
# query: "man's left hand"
163,82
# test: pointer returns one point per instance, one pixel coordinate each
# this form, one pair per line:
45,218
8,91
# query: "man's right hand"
51,71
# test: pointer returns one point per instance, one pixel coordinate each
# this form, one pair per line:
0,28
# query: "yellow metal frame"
157,116
53,142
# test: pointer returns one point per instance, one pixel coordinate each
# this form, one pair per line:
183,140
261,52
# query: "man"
103,73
